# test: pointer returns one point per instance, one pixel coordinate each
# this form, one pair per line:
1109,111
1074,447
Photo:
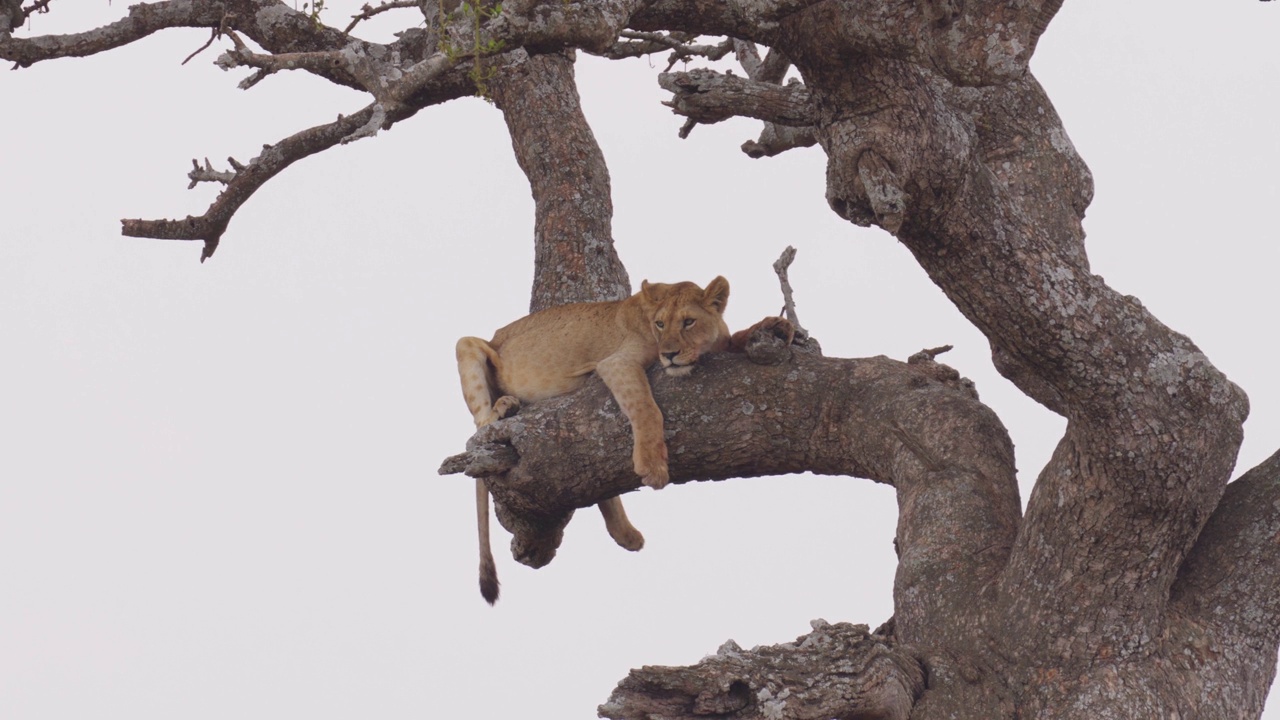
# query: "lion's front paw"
651,465
656,478
779,326
768,342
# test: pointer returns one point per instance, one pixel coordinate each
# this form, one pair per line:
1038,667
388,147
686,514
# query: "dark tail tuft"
488,580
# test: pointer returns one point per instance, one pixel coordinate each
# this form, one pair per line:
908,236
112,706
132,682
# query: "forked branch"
210,226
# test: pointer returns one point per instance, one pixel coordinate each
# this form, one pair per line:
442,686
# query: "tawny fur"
552,352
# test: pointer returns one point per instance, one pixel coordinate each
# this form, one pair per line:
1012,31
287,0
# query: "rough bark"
1137,583
574,257
859,675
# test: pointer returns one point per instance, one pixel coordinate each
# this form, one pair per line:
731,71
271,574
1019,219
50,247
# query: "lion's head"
686,321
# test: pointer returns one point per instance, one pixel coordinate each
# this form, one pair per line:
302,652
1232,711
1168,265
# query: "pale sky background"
218,489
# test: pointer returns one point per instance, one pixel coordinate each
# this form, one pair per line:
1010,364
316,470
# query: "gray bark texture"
1137,584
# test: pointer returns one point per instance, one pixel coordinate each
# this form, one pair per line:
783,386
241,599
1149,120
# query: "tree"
1136,582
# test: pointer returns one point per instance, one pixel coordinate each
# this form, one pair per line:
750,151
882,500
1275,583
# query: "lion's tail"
488,571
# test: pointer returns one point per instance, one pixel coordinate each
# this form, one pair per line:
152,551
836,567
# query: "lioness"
552,352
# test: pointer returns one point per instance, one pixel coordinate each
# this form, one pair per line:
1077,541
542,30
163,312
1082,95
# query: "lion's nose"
670,356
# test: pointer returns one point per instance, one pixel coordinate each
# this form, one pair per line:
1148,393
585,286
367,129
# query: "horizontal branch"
836,671
917,426
710,97
142,20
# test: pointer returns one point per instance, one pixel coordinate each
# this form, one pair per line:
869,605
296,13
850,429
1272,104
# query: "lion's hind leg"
619,527
476,363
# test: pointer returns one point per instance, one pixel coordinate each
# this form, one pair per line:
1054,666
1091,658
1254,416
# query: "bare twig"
789,305
212,36
369,11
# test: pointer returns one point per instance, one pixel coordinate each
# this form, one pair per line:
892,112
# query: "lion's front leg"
625,378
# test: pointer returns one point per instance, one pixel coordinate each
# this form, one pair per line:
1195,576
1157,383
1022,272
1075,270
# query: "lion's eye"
688,322
660,324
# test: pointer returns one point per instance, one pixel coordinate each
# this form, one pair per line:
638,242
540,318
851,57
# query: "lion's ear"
649,291
717,294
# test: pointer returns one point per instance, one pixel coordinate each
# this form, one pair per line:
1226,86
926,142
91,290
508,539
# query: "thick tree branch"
916,426
836,671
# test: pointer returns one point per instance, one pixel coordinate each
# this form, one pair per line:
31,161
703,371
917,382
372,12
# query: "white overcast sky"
218,489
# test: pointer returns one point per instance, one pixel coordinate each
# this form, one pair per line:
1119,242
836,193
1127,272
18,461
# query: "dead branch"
788,302
208,174
246,181
709,97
